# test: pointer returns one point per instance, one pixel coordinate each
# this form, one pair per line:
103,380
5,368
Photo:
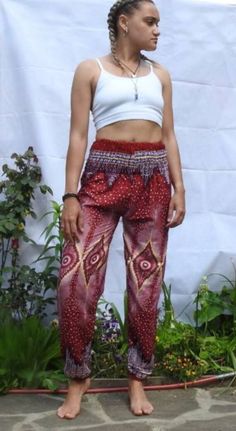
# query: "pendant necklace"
133,76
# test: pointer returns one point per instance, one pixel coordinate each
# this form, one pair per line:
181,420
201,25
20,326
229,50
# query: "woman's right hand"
71,220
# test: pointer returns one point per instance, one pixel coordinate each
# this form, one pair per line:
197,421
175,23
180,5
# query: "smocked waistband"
115,158
126,146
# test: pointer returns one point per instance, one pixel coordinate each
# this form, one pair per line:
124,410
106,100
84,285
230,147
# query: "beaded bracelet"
69,195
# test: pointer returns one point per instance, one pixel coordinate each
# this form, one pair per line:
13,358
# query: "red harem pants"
128,180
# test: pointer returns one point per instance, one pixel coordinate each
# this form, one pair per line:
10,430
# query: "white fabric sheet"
42,43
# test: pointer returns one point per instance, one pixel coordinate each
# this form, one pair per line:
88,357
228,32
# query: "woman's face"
143,26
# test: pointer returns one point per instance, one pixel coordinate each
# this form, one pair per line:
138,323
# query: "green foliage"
184,352
216,311
29,352
218,353
29,355
169,315
18,189
23,289
52,251
174,346
27,295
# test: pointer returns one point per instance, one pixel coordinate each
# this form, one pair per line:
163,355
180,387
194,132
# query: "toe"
147,410
137,411
72,413
60,413
69,416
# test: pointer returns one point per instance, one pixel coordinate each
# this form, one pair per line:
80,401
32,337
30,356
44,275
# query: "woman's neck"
126,54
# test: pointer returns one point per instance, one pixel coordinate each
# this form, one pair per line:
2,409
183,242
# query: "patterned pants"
128,180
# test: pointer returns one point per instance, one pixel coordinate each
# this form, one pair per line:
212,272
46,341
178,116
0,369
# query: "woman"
132,165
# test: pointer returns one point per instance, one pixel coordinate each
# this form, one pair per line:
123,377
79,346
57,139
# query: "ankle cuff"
134,377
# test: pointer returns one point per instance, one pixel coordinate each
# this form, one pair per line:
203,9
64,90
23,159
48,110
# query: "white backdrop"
42,43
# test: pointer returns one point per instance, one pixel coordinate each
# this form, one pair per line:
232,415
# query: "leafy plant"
18,191
23,289
175,345
216,311
218,353
169,315
29,355
52,251
27,297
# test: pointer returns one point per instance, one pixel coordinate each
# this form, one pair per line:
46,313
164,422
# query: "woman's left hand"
176,211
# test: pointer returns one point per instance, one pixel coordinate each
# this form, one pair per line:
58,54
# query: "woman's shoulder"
162,72
85,72
160,68
90,64
86,65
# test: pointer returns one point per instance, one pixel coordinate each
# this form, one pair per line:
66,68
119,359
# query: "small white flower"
54,323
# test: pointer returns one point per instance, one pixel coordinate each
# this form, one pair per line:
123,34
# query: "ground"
206,409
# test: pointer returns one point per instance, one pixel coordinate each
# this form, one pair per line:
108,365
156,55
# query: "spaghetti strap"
100,64
150,64
151,67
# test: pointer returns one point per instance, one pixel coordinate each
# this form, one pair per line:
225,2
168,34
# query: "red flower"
15,243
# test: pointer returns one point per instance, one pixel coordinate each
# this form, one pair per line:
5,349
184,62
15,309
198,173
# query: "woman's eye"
153,22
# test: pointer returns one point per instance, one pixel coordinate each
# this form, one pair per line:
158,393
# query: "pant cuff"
137,365
134,377
77,371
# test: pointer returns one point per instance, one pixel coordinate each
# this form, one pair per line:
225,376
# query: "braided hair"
118,8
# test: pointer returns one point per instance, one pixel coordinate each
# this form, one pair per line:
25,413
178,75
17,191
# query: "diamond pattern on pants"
145,264
70,259
94,259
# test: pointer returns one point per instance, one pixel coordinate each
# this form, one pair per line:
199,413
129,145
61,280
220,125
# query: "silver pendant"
135,86
136,90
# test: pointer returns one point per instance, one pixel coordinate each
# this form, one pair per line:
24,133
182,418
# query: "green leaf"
50,384
45,189
5,168
10,226
233,358
206,315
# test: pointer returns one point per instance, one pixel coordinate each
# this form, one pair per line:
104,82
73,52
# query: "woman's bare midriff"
131,130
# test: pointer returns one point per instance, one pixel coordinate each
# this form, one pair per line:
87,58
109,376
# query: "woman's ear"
123,23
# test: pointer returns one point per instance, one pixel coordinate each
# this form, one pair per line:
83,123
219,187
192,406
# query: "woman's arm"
71,220
177,203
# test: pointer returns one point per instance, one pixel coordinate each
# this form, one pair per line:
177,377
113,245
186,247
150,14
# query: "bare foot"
71,406
139,404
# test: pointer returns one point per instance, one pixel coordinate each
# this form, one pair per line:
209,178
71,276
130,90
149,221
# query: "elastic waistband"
115,158
126,146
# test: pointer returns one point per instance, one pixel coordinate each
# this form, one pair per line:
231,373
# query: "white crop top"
114,98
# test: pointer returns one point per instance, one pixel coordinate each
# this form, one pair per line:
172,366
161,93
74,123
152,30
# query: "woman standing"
132,166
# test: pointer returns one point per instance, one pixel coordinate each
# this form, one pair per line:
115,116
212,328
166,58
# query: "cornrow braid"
119,7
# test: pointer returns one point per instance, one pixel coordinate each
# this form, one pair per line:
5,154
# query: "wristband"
69,195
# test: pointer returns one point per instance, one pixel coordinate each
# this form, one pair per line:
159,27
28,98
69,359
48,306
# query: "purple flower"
118,358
